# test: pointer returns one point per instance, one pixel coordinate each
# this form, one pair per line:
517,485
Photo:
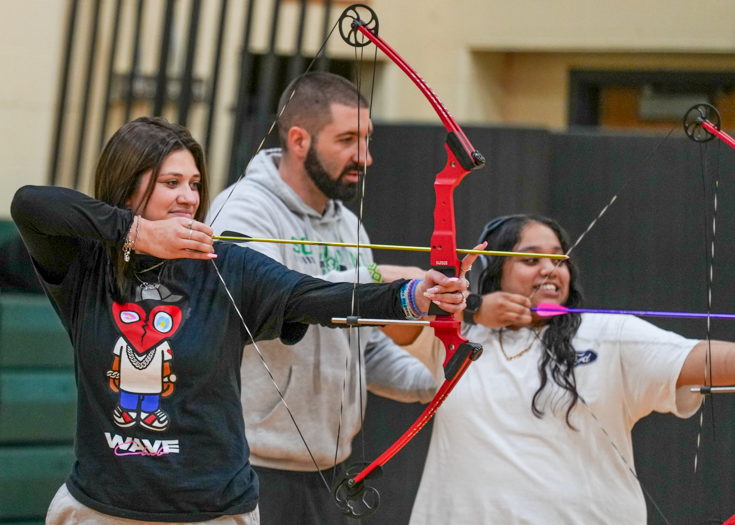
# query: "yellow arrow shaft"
386,247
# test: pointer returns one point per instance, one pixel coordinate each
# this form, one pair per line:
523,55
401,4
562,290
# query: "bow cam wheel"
695,117
357,500
353,17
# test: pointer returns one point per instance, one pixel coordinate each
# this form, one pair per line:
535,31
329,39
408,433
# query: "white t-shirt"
491,461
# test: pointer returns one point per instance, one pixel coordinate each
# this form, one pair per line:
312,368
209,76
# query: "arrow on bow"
239,237
552,310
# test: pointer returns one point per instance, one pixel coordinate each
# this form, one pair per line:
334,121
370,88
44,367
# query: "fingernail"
212,255
454,278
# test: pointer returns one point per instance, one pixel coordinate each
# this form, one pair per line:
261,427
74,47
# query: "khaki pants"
65,510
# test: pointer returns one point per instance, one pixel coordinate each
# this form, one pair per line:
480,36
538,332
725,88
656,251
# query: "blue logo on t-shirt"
585,358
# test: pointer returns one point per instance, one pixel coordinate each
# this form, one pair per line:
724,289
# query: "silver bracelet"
130,243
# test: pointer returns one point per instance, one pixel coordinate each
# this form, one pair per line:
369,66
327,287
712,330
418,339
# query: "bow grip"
449,271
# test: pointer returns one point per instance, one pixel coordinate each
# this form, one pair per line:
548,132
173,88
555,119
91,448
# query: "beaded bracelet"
404,300
130,243
408,302
415,310
375,273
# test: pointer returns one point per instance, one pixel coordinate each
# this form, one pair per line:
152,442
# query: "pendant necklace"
147,286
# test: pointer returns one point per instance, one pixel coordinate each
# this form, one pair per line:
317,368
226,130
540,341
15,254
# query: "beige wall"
31,35
471,51
531,88
490,61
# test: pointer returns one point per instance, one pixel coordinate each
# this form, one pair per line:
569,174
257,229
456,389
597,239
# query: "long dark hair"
503,234
137,147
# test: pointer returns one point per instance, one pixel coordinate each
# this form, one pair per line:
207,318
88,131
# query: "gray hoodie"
322,371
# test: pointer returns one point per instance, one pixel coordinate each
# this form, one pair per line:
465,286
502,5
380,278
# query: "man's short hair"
310,106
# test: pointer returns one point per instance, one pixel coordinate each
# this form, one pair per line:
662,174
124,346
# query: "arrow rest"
351,20
694,118
357,500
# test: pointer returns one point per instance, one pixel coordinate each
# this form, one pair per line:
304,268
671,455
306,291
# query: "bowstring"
360,218
709,274
270,374
708,269
355,307
229,294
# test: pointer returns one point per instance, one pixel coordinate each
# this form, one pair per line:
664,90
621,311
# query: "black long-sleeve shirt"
182,330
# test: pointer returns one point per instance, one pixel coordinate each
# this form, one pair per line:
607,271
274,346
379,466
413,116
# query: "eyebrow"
176,174
537,249
353,133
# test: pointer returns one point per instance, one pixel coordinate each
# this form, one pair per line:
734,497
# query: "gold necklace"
500,340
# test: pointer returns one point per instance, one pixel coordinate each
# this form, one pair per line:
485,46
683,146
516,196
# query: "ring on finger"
465,269
190,232
191,221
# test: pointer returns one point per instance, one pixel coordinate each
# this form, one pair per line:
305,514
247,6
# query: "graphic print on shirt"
141,369
585,358
329,260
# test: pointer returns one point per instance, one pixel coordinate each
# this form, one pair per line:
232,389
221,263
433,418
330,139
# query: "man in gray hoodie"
295,192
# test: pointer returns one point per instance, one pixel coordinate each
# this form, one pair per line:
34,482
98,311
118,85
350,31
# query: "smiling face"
338,152
176,191
525,275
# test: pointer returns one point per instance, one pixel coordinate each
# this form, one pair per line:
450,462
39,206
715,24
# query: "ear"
299,141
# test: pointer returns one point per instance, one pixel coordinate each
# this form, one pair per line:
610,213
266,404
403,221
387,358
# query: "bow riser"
444,239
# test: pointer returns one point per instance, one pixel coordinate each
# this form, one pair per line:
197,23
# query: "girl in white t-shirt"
539,429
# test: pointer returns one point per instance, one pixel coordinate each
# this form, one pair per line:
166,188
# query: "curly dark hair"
503,234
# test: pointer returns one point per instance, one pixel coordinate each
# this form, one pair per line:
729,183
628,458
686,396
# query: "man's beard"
331,188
